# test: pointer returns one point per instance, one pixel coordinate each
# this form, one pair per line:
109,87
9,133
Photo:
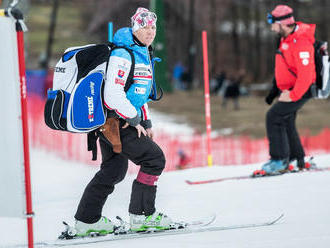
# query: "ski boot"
275,167
271,168
103,227
299,164
156,221
310,164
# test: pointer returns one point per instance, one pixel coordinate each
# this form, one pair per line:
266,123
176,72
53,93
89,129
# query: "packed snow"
303,198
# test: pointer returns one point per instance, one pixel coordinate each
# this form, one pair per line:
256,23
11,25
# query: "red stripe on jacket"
117,112
144,113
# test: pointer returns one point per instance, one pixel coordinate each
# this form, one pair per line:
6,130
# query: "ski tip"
205,221
277,219
189,182
213,217
258,173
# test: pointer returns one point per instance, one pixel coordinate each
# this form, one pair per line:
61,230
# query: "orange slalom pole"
207,98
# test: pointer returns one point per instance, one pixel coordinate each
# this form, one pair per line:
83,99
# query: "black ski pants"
142,151
284,141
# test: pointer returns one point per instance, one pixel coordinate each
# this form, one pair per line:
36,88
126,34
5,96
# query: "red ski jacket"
294,61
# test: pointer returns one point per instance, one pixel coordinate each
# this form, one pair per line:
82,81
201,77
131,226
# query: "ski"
217,180
253,177
122,232
198,226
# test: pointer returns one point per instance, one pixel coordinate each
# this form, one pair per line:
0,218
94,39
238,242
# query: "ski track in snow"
57,186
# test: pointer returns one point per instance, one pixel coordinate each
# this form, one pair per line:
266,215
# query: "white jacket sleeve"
145,112
114,94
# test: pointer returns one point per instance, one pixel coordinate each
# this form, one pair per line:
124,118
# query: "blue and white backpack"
75,103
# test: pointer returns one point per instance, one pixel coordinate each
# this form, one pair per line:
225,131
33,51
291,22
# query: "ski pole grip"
17,15
14,13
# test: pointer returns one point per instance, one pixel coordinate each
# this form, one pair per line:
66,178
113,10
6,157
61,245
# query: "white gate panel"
12,190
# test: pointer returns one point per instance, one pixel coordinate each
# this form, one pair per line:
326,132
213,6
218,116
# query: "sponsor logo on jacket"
140,91
141,73
121,73
120,81
285,46
305,57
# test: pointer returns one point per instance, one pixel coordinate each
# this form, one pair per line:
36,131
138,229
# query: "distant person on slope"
129,128
294,75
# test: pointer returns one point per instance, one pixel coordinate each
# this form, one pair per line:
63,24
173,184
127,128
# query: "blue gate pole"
110,31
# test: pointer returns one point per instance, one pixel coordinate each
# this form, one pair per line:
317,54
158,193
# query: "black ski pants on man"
142,151
284,141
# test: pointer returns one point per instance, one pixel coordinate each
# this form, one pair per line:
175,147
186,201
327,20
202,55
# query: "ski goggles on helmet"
272,19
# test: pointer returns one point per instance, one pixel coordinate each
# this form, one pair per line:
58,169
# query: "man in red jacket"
294,74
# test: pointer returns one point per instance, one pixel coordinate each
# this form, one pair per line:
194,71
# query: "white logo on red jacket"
305,61
285,46
305,57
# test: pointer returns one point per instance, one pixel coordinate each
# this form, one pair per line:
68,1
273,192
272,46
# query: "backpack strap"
129,80
91,143
154,94
111,46
278,51
154,97
287,65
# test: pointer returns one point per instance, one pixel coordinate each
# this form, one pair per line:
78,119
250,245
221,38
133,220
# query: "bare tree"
238,35
234,34
257,41
324,20
213,36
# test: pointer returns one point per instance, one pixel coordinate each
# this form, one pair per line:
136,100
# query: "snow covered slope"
304,199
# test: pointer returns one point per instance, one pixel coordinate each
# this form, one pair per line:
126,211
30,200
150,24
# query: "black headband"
283,17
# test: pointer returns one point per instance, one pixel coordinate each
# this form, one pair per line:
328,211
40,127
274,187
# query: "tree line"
239,38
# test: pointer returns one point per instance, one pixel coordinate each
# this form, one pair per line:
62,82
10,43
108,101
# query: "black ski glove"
273,93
